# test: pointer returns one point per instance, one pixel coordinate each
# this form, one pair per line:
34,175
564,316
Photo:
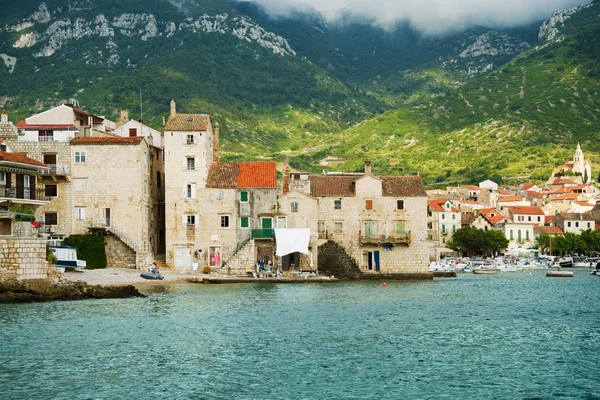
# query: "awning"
291,241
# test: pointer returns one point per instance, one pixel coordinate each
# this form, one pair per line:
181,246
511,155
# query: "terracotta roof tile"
531,210
510,198
534,194
567,196
257,175
503,192
188,123
19,158
243,175
403,186
472,187
467,218
575,216
107,140
563,182
438,205
550,230
332,185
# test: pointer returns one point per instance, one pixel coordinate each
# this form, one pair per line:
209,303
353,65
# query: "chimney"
216,143
367,167
173,108
285,186
4,117
123,119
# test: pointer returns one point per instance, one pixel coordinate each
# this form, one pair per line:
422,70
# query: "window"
51,218
244,223
294,206
190,191
158,183
453,228
80,157
529,218
190,139
589,224
387,246
569,224
337,204
338,227
443,216
511,235
539,219
220,195
46,136
443,228
191,220
368,204
577,224
526,235
321,226
50,191
399,204
132,132
400,227
80,184
224,221
80,212
447,205
190,163
281,223
519,236
453,216
244,197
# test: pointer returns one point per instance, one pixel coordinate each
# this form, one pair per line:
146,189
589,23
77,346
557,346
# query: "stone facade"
118,254
23,257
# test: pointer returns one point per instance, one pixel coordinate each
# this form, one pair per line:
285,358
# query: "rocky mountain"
318,94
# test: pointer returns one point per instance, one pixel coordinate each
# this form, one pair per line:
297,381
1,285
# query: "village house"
22,244
379,222
131,128
118,198
489,218
443,220
574,222
520,224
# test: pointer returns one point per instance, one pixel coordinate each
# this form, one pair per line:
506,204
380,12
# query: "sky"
430,17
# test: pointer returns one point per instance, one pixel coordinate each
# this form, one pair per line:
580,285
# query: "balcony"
263,233
378,239
19,193
56,169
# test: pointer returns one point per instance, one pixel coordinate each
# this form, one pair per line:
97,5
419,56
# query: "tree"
543,242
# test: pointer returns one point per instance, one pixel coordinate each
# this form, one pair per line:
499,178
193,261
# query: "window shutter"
197,220
195,163
193,191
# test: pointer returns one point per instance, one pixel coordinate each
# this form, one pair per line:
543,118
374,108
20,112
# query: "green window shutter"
443,228
244,222
243,196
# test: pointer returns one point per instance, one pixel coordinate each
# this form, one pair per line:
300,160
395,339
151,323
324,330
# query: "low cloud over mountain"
433,17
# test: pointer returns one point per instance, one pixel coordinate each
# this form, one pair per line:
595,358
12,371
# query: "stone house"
121,198
574,222
22,244
133,128
380,223
488,219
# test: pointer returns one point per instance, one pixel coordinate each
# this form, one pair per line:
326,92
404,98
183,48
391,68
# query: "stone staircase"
161,262
242,258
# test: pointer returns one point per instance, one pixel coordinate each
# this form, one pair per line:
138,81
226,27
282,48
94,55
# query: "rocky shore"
51,289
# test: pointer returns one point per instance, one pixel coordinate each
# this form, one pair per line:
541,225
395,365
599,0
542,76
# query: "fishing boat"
484,271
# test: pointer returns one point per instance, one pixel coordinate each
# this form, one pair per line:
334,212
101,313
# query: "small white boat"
66,257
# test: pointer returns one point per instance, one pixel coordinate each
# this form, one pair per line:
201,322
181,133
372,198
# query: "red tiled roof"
19,158
527,186
472,187
548,219
584,203
257,175
243,175
510,198
438,205
402,186
107,140
567,196
534,194
531,210
488,211
188,123
550,230
467,218
503,192
495,219
55,127
563,182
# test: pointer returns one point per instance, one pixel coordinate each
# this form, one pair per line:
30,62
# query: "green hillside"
521,120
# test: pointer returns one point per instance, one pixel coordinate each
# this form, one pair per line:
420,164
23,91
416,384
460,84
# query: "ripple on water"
503,336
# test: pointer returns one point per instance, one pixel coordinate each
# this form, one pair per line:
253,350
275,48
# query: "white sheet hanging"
291,241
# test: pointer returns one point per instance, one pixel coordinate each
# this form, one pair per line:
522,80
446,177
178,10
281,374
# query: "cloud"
430,17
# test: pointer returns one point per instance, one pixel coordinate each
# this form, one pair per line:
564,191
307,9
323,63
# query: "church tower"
578,161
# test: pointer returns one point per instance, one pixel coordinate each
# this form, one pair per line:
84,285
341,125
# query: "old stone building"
117,198
379,222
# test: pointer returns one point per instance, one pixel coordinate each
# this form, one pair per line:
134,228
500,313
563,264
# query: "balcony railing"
22,193
374,238
57,169
263,233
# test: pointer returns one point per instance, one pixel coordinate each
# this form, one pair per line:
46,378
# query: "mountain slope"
520,120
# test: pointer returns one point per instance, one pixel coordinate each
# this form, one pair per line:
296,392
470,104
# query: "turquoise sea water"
506,336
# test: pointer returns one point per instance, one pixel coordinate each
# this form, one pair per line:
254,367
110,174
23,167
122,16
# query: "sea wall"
23,257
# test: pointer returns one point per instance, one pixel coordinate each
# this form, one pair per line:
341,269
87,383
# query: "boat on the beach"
152,275
66,258
483,271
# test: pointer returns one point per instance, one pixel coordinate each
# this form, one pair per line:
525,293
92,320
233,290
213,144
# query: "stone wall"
23,257
333,260
118,254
